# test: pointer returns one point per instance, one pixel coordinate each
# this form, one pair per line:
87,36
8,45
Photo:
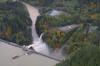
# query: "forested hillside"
71,6
15,23
86,13
81,44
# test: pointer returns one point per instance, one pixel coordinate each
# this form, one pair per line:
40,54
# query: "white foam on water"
40,46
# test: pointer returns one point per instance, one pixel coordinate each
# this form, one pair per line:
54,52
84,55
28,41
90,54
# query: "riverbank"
11,43
33,13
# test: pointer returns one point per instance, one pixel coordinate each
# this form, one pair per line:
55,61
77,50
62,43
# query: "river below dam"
38,44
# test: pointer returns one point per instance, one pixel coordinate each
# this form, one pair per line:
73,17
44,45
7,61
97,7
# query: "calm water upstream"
8,51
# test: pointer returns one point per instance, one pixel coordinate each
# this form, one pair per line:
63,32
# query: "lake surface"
8,51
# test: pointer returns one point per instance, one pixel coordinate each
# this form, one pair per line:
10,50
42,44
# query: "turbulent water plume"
40,46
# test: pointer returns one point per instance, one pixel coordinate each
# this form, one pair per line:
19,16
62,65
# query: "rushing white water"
40,46
38,43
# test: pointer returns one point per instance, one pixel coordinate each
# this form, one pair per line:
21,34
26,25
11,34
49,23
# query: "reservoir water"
8,51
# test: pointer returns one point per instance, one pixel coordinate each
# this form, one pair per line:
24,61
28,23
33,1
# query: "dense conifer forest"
15,23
